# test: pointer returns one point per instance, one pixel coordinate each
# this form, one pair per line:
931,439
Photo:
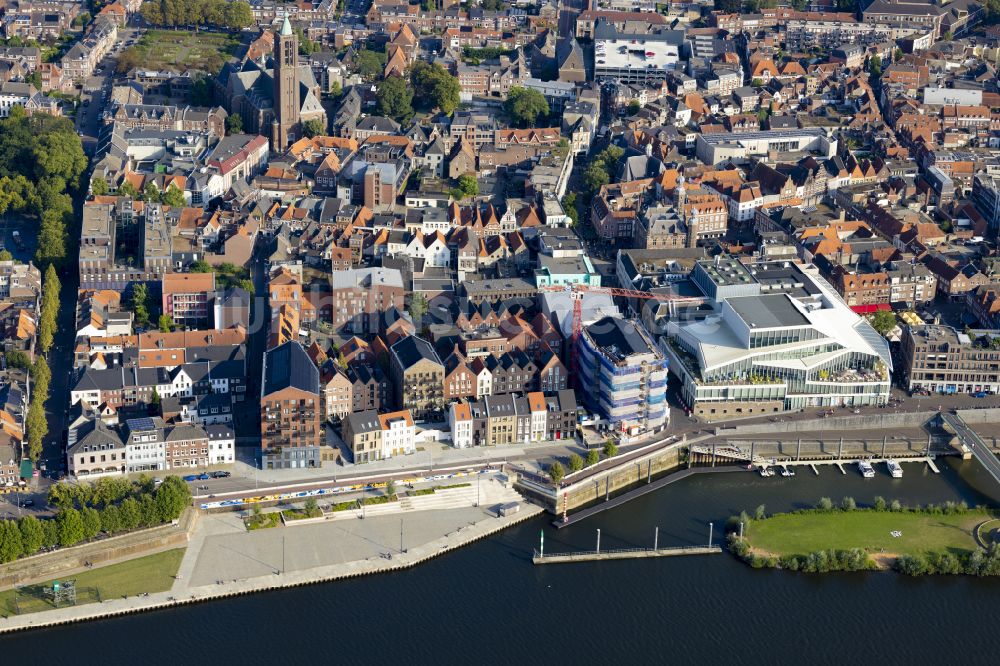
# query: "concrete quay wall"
575,494
414,556
884,421
67,561
980,416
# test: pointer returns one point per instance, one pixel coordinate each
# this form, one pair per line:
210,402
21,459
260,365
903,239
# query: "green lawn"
153,573
179,49
801,534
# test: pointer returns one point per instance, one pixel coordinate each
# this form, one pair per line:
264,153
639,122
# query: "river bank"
182,594
475,599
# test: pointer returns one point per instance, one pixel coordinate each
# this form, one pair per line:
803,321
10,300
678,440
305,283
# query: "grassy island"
931,539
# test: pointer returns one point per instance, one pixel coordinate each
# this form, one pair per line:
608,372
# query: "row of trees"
820,561
41,162
75,523
35,423
575,463
235,15
48,318
979,562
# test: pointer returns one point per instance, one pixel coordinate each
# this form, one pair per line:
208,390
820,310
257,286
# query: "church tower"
286,88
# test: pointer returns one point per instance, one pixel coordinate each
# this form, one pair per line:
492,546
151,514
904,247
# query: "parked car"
979,394
191,477
221,475
203,477
28,502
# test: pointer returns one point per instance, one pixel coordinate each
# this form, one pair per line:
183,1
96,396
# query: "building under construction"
623,375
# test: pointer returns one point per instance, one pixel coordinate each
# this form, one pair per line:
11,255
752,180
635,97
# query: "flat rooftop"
652,55
726,271
773,135
770,311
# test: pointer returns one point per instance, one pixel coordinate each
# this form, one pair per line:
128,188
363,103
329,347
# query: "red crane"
576,292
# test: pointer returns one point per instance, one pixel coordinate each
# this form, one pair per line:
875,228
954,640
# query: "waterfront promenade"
223,560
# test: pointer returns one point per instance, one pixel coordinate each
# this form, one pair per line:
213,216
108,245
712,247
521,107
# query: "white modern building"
715,148
781,339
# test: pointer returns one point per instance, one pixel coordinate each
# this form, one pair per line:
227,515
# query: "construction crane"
576,292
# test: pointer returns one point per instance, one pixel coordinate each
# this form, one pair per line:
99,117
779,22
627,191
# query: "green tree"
418,307
237,15
50,532
234,124
37,426
50,308
99,187
595,177
5,255
17,359
151,193
575,463
127,189
111,519
610,449
468,185
525,106
593,457
848,504
434,87
130,515
166,324
32,534
11,546
395,99
91,522
313,128
336,90
570,208
759,513
556,472
880,504
42,376
883,322
172,497
173,197
149,512
306,45
875,66
140,304
824,504
634,107
369,64
71,530
200,266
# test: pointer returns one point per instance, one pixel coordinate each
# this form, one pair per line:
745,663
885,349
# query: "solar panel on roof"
143,423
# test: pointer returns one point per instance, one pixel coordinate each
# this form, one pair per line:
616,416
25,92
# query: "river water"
487,603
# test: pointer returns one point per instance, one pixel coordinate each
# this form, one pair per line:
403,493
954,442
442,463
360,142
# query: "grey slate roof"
289,366
411,350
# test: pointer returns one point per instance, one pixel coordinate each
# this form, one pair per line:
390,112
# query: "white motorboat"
866,469
895,469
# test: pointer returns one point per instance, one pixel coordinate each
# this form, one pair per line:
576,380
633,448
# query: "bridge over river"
973,443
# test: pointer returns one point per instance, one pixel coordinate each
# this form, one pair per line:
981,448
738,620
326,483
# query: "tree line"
111,506
41,162
234,15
